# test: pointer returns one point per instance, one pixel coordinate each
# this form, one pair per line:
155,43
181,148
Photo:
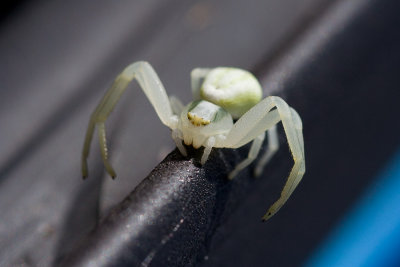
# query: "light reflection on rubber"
370,234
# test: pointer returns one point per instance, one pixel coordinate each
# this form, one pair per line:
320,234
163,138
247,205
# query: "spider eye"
196,120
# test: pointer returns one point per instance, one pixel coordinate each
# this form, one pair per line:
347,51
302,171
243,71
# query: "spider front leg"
261,118
153,89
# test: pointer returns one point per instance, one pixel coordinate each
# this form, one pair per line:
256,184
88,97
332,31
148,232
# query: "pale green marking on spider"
220,95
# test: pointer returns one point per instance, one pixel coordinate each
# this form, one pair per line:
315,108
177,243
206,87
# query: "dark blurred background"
336,62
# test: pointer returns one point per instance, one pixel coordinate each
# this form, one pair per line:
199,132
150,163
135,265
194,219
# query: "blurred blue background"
369,235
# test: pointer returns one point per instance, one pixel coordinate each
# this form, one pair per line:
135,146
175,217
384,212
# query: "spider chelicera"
221,95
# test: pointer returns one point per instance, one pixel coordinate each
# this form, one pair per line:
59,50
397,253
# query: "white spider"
220,95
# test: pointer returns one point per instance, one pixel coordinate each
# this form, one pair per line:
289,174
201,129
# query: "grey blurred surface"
57,59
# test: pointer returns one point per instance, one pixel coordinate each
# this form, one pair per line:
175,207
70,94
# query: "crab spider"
221,95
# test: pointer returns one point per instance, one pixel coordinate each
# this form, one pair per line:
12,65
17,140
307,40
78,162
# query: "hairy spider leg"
153,89
259,119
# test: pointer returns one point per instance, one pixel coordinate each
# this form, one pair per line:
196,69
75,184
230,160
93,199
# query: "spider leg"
253,153
177,136
299,130
273,146
209,144
103,148
261,118
176,105
153,89
197,78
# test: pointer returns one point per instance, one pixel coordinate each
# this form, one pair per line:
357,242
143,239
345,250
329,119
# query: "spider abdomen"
233,89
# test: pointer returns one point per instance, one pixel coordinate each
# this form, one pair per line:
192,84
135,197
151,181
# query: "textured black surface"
170,218
338,67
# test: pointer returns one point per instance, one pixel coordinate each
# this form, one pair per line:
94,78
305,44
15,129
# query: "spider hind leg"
253,153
